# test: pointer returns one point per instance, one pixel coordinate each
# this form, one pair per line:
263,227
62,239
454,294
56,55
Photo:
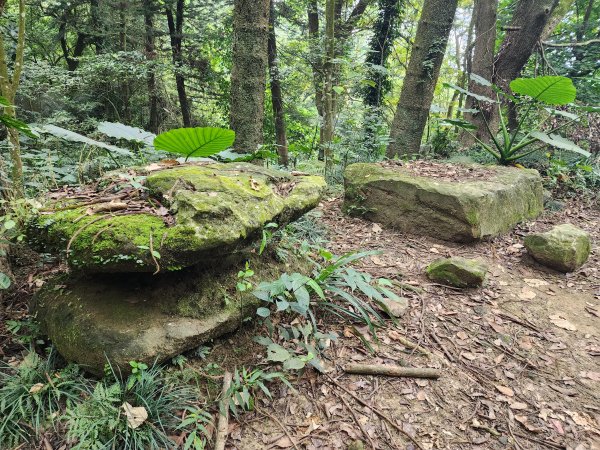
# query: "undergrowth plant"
34,395
246,383
510,145
139,412
334,287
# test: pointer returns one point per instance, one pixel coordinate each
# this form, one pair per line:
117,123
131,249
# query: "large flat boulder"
453,203
183,216
137,317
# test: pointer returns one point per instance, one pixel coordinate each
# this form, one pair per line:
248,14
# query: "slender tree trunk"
421,77
328,67
175,25
149,44
276,94
316,65
97,26
527,25
485,13
385,31
467,62
125,87
9,84
248,74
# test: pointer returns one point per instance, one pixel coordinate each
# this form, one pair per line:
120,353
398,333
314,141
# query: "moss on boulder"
564,248
218,209
138,317
458,272
459,211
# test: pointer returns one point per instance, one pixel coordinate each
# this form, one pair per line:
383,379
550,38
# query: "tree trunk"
316,65
9,84
528,22
248,74
485,13
175,25
276,94
421,77
385,31
328,106
149,44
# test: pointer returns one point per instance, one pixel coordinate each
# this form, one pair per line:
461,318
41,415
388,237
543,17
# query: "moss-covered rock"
455,211
564,248
458,272
218,209
138,317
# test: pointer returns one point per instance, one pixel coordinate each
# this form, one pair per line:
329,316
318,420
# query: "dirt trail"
520,356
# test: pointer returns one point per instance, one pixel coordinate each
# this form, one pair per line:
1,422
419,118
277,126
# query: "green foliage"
512,145
100,420
246,383
11,122
554,91
34,395
195,142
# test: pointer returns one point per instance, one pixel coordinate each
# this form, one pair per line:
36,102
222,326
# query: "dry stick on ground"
364,432
392,371
223,424
375,410
282,426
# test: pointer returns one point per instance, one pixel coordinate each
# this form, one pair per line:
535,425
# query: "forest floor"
520,358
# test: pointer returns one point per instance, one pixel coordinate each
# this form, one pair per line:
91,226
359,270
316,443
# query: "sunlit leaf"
76,137
551,90
479,80
195,142
559,142
481,98
121,131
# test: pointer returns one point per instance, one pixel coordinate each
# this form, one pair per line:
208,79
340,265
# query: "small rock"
357,445
564,248
456,271
396,307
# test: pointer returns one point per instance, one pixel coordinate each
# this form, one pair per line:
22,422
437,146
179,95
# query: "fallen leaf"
505,390
254,184
527,294
535,282
284,442
37,387
561,322
376,228
595,376
136,415
518,405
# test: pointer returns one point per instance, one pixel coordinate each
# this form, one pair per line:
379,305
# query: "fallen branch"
223,424
392,371
362,429
375,410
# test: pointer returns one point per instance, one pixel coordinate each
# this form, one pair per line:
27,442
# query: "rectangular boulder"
460,211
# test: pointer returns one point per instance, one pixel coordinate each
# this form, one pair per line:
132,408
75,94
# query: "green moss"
459,272
218,208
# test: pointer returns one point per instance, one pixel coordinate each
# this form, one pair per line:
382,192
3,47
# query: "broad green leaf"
263,312
559,142
277,353
10,224
551,90
4,281
557,112
481,98
4,101
293,364
18,125
121,131
479,80
76,137
195,142
460,123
